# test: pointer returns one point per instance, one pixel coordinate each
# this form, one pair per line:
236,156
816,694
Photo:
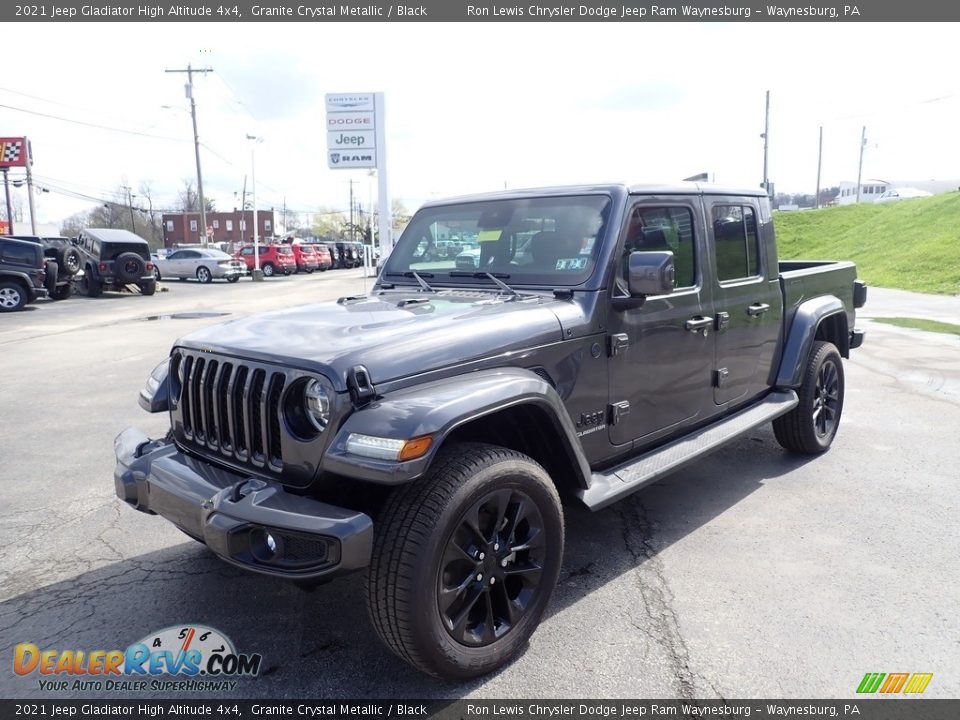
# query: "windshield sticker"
575,263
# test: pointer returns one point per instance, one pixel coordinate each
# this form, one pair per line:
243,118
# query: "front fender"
800,337
437,409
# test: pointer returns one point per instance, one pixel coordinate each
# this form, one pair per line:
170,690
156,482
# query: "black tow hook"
240,489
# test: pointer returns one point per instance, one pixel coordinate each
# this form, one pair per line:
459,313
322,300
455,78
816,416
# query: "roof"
683,188
114,235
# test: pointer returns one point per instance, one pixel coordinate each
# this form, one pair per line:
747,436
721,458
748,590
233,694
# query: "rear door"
747,299
662,353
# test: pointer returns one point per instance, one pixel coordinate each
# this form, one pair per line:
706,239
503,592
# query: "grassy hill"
910,244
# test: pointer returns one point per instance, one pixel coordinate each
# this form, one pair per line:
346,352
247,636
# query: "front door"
662,353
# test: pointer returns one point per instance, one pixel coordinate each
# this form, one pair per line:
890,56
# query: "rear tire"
464,561
90,286
233,279
62,292
810,428
148,287
50,280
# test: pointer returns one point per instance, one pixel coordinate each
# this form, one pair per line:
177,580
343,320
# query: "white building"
870,190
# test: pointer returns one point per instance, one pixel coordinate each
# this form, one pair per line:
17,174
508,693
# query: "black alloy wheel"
491,568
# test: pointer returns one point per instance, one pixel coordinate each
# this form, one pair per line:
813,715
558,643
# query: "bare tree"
154,230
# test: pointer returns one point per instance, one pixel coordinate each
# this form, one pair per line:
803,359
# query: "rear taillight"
102,266
149,266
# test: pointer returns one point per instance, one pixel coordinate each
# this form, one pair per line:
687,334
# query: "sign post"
356,139
15,152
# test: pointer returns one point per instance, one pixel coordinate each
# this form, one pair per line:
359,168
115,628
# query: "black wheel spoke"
501,503
510,612
489,622
519,512
458,623
534,540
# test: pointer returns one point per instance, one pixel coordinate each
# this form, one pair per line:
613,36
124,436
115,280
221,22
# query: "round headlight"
316,400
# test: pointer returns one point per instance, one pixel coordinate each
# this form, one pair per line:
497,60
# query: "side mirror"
650,273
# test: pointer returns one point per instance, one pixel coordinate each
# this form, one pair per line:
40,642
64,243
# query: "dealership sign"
351,130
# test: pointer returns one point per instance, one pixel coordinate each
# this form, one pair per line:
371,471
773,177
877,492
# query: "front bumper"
253,523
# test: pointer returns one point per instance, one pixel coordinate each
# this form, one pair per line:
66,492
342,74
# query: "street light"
257,272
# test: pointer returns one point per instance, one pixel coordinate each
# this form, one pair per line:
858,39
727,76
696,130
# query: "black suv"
113,259
22,274
62,261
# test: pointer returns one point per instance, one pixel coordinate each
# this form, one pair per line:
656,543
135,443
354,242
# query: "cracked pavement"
750,573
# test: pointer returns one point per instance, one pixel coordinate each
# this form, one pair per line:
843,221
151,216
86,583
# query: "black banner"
863,709
480,11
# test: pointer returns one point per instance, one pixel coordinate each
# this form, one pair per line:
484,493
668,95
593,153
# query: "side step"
606,488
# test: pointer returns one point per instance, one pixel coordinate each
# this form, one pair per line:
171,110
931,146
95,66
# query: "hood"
393,334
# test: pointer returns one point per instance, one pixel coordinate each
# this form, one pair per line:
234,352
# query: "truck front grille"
230,408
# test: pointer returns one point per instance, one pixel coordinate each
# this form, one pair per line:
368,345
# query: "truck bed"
805,279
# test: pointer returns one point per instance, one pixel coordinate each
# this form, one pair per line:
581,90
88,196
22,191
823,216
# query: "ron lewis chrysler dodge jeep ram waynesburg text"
604,337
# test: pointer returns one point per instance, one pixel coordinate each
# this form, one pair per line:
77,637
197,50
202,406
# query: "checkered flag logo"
12,152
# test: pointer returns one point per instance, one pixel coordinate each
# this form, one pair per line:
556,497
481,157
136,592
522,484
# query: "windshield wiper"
417,276
492,276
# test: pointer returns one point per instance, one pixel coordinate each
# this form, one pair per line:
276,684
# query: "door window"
736,245
661,228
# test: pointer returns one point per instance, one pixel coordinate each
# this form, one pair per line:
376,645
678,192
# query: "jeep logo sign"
355,139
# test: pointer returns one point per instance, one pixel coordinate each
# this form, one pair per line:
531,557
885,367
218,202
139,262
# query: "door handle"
698,323
757,309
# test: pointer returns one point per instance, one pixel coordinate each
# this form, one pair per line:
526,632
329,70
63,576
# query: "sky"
475,107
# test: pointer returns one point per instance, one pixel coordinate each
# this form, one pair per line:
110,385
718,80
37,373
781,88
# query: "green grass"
918,324
911,244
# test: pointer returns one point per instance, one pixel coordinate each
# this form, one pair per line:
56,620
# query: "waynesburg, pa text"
698,12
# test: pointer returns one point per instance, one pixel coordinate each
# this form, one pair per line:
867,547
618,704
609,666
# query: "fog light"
271,544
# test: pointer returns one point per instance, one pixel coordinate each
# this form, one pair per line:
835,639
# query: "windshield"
537,241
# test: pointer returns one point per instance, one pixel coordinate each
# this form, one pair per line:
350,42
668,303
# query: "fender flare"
437,409
801,334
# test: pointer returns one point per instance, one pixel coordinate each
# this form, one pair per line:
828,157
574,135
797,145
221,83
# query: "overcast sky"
475,107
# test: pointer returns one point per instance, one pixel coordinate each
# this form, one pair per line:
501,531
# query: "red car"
273,259
324,256
306,257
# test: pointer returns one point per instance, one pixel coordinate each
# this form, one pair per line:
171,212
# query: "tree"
154,229
401,216
330,225
188,200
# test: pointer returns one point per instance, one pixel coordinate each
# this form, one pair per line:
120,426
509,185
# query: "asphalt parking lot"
749,574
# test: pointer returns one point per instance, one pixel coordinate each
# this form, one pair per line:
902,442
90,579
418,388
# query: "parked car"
62,263
468,259
324,256
305,257
23,276
902,193
114,260
273,259
347,255
203,264
427,437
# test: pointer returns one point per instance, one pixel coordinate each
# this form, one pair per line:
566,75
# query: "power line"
93,125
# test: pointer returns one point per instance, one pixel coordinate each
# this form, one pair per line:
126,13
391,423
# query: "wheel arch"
822,318
510,407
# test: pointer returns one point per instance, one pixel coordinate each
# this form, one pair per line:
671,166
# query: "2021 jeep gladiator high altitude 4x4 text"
425,432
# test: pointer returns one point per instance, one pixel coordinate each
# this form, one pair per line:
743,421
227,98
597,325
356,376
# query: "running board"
606,488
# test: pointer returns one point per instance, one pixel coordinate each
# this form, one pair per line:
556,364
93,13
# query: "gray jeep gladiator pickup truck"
602,337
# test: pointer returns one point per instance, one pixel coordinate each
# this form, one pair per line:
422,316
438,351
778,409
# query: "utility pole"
257,272
766,143
6,190
863,144
33,214
133,225
353,233
816,202
196,144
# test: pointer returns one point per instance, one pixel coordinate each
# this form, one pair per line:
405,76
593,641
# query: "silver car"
202,264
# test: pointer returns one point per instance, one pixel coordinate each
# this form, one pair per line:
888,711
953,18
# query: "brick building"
230,227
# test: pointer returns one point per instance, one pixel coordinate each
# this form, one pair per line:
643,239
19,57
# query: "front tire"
204,275
268,270
12,296
464,561
810,427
